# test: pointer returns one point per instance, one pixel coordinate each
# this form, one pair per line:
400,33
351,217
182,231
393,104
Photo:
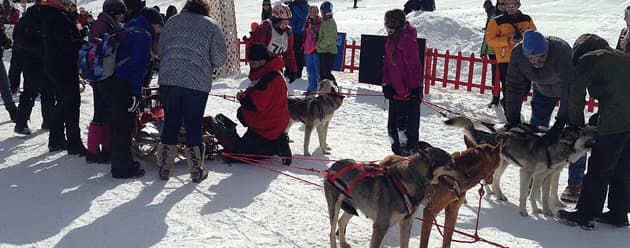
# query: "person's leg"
413,125
312,68
71,103
542,107
605,157
298,49
619,189
325,65
194,105
56,134
574,186
5,93
15,69
117,93
495,83
173,112
395,122
27,101
502,76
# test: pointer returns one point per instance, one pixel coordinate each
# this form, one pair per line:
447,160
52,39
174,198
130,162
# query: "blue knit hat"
326,7
534,43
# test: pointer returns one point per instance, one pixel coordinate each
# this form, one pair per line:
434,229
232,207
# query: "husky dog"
316,112
540,164
390,197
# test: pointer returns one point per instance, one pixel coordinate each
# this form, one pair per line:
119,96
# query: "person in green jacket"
326,45
604,72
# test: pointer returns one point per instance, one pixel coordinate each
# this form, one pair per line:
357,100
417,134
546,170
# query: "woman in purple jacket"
402,82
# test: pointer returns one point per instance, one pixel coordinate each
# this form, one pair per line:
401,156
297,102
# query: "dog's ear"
423,145
469,142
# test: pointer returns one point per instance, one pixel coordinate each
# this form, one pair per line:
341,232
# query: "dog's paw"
524,213
548,213
345,245
327,147
326,152
502,198
537,211
307,154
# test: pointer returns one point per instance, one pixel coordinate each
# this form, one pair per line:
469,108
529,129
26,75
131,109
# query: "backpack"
97,57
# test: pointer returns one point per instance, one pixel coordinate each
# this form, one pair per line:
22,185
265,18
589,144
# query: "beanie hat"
254,25
134,4
586,43
534,43
114,7
267,2
326,7
152,15
258,52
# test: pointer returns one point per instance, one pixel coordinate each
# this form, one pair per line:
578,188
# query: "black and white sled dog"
540,164
316,112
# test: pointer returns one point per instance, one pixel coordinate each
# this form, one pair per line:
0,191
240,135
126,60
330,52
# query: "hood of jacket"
139,22
587,43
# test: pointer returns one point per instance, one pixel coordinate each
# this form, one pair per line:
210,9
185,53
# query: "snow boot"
94,139
195,161
166,159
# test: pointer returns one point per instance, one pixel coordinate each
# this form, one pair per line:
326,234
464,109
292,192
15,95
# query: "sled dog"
316,112
478,162
388,192
540,164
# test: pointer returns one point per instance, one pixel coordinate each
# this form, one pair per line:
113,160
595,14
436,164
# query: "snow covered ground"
56,200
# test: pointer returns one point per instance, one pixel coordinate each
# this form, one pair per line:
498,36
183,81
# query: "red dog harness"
366,170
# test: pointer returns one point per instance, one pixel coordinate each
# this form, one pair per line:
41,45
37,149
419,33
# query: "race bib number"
279,43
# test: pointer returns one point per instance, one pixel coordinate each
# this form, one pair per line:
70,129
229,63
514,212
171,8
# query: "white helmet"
281,11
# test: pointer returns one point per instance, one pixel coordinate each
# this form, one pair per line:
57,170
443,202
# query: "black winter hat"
114,7
258,52
152,15
134,4
586,43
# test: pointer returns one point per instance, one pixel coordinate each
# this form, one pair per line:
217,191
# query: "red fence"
436,69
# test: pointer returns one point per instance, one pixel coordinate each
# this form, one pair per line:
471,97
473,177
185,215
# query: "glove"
552,134
416,93
134,104
388,91
291,76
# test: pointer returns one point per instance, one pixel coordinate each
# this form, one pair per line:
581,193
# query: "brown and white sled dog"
477,162
388,198
540,164
316,112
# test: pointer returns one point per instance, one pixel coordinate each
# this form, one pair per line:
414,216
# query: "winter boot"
195,156
22,129
285,149
166,158
12,113
619,219
575,219
94,139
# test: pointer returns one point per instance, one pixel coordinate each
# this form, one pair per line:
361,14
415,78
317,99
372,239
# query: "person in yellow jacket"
504,32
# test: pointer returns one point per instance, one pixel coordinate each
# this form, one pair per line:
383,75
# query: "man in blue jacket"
299,11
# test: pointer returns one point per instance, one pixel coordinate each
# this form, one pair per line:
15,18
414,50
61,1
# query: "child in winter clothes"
311,29
98,131
122,93
402,83
327,41
623,43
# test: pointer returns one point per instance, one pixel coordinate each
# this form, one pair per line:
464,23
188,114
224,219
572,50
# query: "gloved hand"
134,104
388,91
416,93
552,134
291,76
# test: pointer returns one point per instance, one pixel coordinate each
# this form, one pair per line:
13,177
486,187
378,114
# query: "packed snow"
57,200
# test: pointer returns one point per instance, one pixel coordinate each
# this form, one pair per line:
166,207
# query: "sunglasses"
512,5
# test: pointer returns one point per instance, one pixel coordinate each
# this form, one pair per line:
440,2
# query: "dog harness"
366,170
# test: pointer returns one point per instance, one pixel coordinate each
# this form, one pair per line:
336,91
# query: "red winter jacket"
401,67
264,107
262,35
